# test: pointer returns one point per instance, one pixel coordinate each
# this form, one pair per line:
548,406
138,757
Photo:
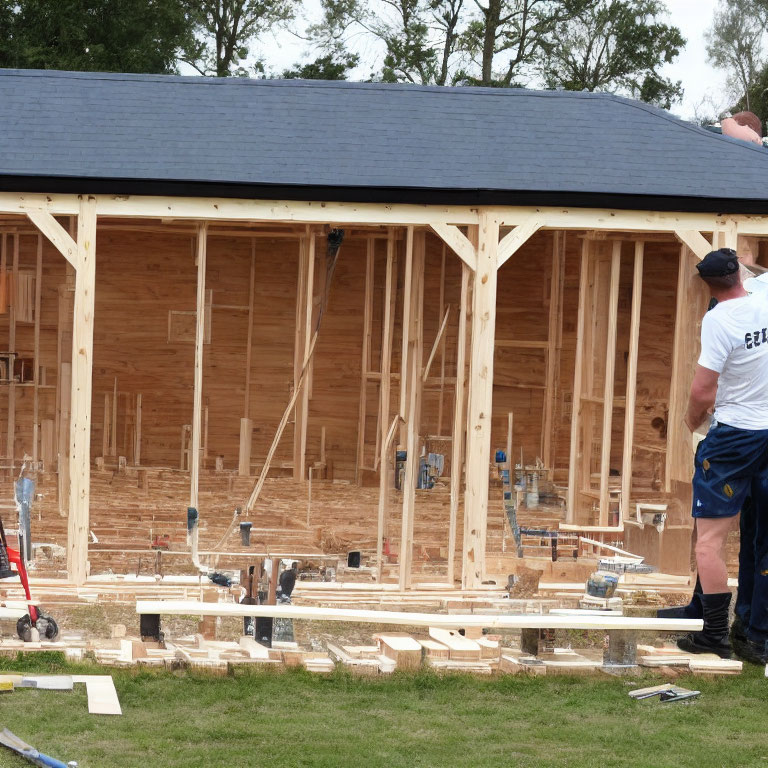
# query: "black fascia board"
382,195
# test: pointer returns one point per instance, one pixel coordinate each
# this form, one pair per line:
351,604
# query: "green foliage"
92,35
327,67
224,30
735,44
616,45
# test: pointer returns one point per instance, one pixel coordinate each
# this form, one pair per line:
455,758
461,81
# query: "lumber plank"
444,621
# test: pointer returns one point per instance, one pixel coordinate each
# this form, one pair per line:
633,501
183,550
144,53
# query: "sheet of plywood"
102,696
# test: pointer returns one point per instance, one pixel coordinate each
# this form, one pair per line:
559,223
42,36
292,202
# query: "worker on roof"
732,460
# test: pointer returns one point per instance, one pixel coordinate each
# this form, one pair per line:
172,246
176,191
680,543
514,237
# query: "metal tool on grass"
29,753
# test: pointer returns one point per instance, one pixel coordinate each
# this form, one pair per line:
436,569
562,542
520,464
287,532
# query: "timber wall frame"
493,235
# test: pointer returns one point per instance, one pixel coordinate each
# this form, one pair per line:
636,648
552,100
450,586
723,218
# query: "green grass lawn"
293,718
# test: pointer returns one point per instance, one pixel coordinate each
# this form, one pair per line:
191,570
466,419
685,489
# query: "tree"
93,35
420,37
735,44
224,29
616,45
327,67
507,36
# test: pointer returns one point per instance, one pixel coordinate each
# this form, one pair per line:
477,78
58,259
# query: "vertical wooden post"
307,336
36,402
365,365
442,344
82,371
480,401
459,422
555,289
248,347
137,433
244,457
608,383
629,413
406,324
298,353
578,381
11,449
197,406
415,333
384,394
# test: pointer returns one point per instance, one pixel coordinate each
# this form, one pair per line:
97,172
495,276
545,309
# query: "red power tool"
45,625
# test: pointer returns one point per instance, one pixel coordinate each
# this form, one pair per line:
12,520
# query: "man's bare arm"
702,398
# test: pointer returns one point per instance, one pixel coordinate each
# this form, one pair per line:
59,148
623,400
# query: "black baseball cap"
718,263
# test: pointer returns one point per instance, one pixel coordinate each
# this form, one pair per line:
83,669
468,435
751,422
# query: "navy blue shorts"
726,461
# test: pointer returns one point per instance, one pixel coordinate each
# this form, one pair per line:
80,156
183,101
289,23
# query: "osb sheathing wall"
141,276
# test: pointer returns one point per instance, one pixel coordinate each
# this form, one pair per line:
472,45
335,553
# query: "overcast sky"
693,17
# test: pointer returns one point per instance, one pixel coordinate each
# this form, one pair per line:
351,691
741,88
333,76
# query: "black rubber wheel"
24,628
47,627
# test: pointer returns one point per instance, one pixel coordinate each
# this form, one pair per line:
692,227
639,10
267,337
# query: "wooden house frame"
614,246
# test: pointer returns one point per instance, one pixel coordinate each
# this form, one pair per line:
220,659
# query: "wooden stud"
415,335
137,433
36,355
387,328
298,352
459,422
480,402
629,412
406,324
441,309
82,369
608,384
578,381
438,340
248,348
197,406
553,348
365,365
306,362
246,438
113,432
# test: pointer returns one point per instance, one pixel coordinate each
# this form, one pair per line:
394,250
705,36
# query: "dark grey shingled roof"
189,135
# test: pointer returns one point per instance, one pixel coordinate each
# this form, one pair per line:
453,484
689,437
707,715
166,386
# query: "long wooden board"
503,621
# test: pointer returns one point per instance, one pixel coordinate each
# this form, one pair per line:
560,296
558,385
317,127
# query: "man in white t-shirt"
732,377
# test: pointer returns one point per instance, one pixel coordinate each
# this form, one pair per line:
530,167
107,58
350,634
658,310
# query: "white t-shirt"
734,343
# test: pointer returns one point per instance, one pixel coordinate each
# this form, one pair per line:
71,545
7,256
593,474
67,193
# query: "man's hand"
702,399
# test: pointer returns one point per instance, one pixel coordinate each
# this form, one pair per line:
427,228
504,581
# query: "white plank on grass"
102,696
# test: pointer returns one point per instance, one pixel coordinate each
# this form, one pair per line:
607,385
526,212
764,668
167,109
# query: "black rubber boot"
714,637
691,611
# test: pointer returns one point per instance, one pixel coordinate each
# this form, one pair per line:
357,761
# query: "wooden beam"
82,370
480,402
11,444
415,334
137,433
578,381
459,422
518,237
197,406
36,402
365,364
244,455
58,236
298,352
307,337
442,620
609,382
406,324
457,241
629,412
553,347
249,338
387,328
438,340
695,241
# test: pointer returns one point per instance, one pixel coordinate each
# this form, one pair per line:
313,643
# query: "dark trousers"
752,597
